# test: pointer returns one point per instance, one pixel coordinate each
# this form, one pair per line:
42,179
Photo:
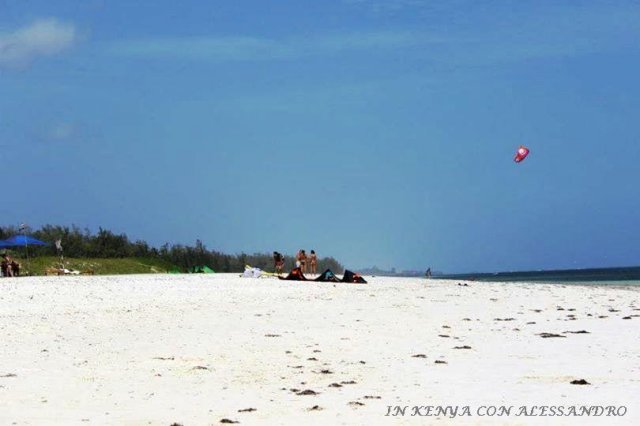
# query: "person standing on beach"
303,261
278,261
299,258
313,262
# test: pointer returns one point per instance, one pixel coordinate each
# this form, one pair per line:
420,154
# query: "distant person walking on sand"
428,274
278,261
313,262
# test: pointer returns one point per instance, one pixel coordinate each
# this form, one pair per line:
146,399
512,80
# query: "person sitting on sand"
15,268
10,268
6,268
313,262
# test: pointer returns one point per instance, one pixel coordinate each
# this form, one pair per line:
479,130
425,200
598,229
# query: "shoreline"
633,284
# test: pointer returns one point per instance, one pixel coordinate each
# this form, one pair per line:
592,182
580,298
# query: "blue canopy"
20,241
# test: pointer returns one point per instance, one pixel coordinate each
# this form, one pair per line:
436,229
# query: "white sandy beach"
196,349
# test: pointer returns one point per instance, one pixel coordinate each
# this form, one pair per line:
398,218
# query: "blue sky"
378,132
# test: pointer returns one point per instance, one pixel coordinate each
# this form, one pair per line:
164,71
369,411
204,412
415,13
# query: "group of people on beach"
302,261
9,267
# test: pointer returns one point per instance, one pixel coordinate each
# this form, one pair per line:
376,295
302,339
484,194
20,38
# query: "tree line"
82,243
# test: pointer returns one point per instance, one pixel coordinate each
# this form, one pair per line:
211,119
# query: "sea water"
625,276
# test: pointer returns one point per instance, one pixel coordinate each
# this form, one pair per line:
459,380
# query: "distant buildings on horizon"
374,270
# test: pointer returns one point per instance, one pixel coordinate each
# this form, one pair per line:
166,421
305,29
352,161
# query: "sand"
197,349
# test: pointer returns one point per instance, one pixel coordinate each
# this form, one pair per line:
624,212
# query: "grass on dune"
39,265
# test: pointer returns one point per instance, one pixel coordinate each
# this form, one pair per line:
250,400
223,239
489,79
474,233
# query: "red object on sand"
522,153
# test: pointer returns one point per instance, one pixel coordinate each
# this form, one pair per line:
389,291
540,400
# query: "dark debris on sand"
247,410
438,361
228,421
418,356
547,335
580,382
315,408
462,347
307,392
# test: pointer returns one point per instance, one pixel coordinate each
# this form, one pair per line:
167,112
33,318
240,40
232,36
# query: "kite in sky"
522,153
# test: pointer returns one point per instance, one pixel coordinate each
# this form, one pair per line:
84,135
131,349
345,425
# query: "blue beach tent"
21,241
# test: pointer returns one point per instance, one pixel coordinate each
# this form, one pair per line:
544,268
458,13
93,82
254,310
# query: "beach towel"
252,272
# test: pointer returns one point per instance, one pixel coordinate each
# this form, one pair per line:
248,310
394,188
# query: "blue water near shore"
625,276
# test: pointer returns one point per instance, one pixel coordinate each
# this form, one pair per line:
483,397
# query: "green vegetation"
128,265
109,253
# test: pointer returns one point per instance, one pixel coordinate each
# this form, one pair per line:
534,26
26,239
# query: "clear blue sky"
379,132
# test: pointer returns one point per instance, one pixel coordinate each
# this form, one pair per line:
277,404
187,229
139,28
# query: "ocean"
626,276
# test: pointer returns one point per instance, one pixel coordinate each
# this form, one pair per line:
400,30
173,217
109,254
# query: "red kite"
522,153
